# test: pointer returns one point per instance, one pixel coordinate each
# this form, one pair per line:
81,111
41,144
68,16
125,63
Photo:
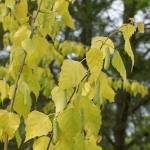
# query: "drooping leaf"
41,143
71,74
127,30
119,65
18,138
37,124
9,122
20,106
128,49
92,117
28,45
140,26
70,123
94,58
135,88
4,88
79,141
108,93
57,97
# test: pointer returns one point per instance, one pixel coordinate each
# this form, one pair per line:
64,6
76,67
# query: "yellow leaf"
119,65
21,11
135,88
28,45
79,141
18,138
10,3
108,93
128,49
140,26
100,42
9,122
143,90
71,74
94,58
127,30
22,34
37,124
41,143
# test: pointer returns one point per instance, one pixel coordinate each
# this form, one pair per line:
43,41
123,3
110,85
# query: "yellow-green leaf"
127,30
92,117
79,141
22,34
4,88
41,143
18,138
71,74
128,49
94,58
100,42
57,97
70,123
28,45
10,3
9,122
37,124
119,65
108,93
140,26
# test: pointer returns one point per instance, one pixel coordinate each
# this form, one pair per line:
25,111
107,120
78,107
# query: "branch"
19,74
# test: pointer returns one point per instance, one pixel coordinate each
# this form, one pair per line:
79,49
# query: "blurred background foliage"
125,122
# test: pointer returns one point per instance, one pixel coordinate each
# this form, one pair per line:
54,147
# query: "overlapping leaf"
119,65
70,123
37,124
94,58
71,74
41,143
140,26
4,88
9,123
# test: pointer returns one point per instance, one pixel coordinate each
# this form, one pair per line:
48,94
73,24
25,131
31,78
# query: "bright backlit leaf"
119,65
41,143
94,58
127,30
71,74
4,88
100,42
37,124
70,123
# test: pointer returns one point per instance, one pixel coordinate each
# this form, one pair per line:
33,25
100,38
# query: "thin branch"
50,140
19,74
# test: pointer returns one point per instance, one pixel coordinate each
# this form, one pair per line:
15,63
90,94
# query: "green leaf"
18,138
9,122
70,123
41,143
20,107
33,84
57,97
37,124
94,58
100,42
127,30
128,49
92,117
28,45
4,88
71,74
140,26
79,141
119,65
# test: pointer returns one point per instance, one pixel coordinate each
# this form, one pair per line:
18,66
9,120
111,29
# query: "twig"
19,74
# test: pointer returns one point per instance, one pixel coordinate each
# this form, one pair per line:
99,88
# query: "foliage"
81,90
